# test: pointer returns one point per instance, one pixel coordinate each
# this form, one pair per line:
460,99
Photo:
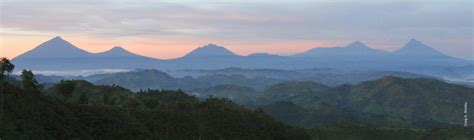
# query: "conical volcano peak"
357,44
118,48
416,45
56,42
415,48
210,50
414,42
117,51
57,38
56,47
211,45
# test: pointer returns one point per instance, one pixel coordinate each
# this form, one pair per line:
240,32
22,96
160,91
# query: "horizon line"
277,54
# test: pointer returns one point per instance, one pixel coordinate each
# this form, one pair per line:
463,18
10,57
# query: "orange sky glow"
167,30
164,48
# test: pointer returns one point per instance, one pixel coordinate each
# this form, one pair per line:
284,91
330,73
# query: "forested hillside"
80,110
387,108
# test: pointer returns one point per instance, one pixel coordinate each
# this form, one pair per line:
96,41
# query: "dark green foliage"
66,88
388,108
6,67
238,94
143,79
287,112
410,100
361,131
288,90
83,99
78,91
28,81
35,116
449,134
110,112
389,101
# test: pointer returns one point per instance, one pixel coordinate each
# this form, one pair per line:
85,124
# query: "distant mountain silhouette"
355,49
414,57
60,48
55,48
416,49
210,50
117,52
59,54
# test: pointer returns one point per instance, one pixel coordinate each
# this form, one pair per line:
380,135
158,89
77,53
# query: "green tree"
6,67
29,82
83,99
106,99
66,88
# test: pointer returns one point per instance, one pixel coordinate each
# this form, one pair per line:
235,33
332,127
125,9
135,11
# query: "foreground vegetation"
104,112
80,110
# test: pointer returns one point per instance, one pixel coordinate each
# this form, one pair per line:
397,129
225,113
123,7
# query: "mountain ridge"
354,56
117,51
415,48
354,49
412,47
55,48
210,50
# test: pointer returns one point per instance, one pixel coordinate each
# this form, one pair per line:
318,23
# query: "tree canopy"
6,67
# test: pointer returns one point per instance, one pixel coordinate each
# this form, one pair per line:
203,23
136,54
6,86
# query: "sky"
170,29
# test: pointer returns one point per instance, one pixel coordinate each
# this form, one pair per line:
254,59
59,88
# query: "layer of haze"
170,29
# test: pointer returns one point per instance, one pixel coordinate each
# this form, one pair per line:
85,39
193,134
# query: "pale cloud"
393,22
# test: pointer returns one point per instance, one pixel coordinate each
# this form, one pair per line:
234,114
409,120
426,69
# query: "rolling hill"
421,102
154,79
80,110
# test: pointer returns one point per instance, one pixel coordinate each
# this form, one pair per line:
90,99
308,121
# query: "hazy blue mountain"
55,48
415,49
210,56
355,49
415,57
60,48
58,54
117,52
210,50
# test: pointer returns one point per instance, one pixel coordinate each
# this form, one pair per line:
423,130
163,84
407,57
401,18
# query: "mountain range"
59,54
60,48
356,49
414,57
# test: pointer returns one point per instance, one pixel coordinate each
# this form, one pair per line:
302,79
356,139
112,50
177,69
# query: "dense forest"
77,109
